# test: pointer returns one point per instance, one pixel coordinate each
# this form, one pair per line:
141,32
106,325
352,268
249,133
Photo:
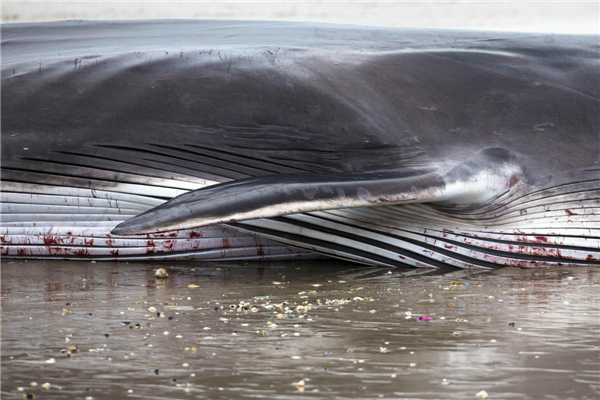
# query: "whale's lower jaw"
557,226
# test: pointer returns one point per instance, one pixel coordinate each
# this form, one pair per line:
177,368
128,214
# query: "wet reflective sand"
355,335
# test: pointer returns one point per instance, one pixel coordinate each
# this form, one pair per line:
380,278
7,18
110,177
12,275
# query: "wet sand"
356,334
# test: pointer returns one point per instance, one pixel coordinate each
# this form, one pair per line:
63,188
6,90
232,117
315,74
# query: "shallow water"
360,350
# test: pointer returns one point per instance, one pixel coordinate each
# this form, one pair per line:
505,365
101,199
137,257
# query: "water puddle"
317,330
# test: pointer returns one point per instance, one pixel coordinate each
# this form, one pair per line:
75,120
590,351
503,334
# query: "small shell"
162,273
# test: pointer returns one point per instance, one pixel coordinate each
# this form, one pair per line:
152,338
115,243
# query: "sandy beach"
316,330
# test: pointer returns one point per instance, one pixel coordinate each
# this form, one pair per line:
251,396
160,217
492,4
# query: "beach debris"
456,334
482,395
383,350
70,350
193,286
152,309
424,318
46,385
300,385
179,308
28,396
162,273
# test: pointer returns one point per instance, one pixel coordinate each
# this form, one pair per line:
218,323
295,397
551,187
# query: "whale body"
208,140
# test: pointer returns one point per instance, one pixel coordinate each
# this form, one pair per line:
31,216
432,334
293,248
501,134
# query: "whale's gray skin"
383,146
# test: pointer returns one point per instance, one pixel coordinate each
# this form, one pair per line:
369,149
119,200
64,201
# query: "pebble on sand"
482,395
162,273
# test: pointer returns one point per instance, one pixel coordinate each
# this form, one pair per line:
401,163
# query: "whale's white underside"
558,226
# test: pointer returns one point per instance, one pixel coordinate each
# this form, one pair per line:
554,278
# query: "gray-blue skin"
302,117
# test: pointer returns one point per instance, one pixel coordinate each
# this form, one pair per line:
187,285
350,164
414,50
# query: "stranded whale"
253,140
